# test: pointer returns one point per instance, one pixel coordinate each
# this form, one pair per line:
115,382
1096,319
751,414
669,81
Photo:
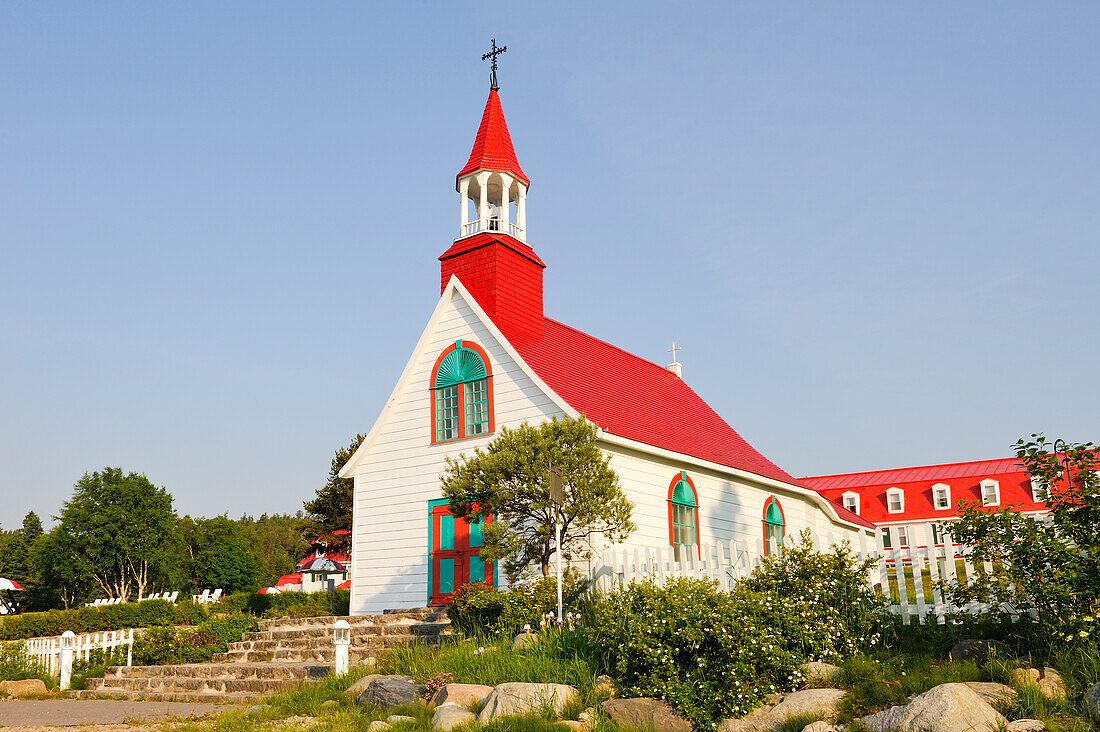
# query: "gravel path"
25,716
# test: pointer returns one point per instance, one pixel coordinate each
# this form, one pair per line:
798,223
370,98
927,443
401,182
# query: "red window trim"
682,475
764,521
462,393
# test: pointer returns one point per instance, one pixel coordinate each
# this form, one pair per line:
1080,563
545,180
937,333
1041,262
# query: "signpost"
559,500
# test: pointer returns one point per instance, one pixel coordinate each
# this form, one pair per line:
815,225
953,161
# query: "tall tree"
331,508
510,481
61,575
120,526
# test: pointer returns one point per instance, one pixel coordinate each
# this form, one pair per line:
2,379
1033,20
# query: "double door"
454,556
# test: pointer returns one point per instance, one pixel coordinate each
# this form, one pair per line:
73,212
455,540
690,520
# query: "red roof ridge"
913,467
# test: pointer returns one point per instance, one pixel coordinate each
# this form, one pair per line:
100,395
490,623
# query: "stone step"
164,696
377,642
295,655
278,671
190,685
433,615
205,681
325,631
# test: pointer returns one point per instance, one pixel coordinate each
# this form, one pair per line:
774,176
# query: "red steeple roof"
493,145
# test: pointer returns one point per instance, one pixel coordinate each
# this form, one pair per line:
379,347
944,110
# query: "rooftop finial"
676,367
493,55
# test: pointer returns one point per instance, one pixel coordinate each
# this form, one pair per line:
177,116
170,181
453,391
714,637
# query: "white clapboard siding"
896,574
46,652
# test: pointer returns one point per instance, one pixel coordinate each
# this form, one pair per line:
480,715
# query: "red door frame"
460,552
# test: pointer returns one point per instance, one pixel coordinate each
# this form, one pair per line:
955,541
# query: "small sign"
555,486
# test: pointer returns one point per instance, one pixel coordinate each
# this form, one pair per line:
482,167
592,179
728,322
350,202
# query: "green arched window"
774,524
462,402
683,511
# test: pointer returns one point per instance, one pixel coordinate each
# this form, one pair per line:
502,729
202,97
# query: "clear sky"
872,227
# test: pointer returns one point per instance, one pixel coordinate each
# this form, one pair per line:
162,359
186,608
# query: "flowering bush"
480,609
435,683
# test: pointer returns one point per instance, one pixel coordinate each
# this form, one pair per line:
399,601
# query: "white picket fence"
47,651
909,576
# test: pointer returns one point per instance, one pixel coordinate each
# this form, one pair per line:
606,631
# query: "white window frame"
936,498
901,533
990,483
901,500
1039,492
855,501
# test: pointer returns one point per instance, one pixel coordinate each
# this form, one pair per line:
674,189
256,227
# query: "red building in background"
910,504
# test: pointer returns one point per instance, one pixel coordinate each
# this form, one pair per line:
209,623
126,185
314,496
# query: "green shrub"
15,666
170,645
97,619
96,664
295,604
479,609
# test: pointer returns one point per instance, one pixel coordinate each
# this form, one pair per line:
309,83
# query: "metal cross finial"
493,55
673,351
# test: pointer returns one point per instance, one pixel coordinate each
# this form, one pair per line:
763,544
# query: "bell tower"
492,256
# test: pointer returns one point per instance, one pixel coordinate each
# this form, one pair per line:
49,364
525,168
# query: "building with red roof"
488,358
911,506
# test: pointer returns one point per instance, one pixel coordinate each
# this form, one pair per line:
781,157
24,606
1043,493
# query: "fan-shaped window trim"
462,382
683,501
773,517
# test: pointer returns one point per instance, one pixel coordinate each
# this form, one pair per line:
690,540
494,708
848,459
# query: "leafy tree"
61,575
278,542
510,481
119,526
331,508
1050,568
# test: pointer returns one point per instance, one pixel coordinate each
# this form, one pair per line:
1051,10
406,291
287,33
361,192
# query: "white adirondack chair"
203,598
216,596
172,598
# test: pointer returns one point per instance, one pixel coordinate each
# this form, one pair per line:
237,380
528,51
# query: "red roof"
493,145
637,399
289,579
916,484
345,585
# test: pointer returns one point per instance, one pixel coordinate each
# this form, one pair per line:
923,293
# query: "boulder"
575,725
1025,725
524,641
818,726
818,672
361,685
1048,681
378,726
944,708
644,713
1092,702
464,695
26,687
771,718
975,650
399,718
512,699
449,716
991,692
387,692
604,687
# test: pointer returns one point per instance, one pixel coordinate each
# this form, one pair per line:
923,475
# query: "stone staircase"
281,655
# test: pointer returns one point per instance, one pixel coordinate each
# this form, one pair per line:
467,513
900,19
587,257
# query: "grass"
798,722
874,684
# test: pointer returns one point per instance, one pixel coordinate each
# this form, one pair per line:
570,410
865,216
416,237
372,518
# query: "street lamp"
341,638
68,646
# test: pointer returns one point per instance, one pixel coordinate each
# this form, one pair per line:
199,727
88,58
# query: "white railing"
47,651
474,227
910,576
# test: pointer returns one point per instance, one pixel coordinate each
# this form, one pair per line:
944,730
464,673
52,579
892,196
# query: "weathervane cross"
493,55
673,351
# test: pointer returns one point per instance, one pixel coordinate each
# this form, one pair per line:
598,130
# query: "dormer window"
851,501
991,492
462,394
1038,490
941,496
895,500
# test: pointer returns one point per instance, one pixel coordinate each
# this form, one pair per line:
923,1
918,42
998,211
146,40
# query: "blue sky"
872,227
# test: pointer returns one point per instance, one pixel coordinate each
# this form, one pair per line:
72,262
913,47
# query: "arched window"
683,511
774,523
462,393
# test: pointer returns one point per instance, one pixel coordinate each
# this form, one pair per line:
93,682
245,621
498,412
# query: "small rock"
399,718
644,713
1092,702
512,699
991,692
588,716
975,650
464,695
575,725
328,703
391,691
378,726
26,687
770,719
1048,681
361,685
257,708
818,672
449,716
1025,725
604,687
524,641
944,708
818,726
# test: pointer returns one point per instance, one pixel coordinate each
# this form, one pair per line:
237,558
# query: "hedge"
289,604
96,619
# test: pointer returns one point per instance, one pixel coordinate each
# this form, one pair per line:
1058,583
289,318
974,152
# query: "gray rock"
379,726
975,650
604,687
823,702
1048,681
464,695
818,726
512,699
257,708
818,672
399,718
944,708
1025,725
644,713
361,685
449,716
524,641
991,692
1092,702
387,692
328,703
25,687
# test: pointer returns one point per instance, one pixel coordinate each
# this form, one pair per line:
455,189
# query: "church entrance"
454,554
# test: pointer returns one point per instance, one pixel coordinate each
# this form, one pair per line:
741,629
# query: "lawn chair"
216,596
203,598
172,598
